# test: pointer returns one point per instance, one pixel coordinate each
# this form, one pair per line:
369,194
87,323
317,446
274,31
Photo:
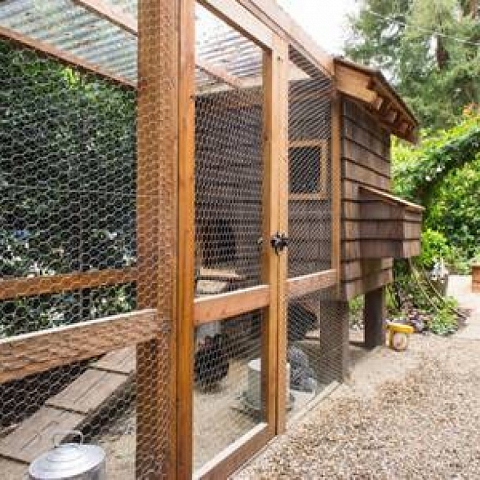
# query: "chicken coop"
192,191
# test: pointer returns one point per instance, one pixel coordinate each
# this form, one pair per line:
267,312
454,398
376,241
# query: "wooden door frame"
191,311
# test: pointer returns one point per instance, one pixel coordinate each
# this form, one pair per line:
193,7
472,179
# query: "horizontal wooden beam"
213,308
237,453
219,74
62,56
41,351
282,24
128,23
27,287
110,12
233,13
306,284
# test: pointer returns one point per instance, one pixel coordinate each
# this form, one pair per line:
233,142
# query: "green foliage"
67,182
444,321
413,41
443,174
434,247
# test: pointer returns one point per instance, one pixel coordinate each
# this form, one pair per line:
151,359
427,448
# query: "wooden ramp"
72,408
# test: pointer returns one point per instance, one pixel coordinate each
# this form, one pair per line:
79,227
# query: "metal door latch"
279,241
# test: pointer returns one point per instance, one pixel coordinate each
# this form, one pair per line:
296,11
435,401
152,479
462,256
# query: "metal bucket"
69,461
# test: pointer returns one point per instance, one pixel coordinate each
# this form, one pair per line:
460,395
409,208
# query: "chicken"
211,361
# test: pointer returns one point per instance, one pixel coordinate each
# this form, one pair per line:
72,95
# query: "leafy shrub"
434,247
444,321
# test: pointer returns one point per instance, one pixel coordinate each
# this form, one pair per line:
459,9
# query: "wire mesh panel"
228,158
229,217
309,204
227,395
83,169
310,232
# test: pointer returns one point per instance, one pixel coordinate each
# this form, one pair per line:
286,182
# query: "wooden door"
232,144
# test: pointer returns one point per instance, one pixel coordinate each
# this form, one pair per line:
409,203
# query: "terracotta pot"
476,277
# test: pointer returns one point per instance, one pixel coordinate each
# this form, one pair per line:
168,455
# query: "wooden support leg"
333,341
373,316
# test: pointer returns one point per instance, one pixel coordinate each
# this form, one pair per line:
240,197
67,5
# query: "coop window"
307,169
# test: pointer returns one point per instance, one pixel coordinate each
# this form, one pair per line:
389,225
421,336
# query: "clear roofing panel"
71,28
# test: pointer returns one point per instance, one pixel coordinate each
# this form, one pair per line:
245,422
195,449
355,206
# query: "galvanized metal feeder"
70,461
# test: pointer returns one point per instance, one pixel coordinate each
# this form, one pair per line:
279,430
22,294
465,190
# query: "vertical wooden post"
373,316
186,240
156,233
334,357
275,83
336,187
280,153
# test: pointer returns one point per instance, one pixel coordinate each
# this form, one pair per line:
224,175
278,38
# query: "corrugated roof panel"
73,29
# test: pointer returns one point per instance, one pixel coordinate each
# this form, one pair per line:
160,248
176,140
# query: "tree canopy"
430,50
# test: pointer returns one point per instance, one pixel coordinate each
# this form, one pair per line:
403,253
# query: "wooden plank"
213,308
354,84
66,58
376,193
157,130
362,175
34,436
25,287
359,154
234,14
336,189
225,463
111,13
186,239
275,377
40,351
88,392
118,361
364,285
357,269
306,284
283,25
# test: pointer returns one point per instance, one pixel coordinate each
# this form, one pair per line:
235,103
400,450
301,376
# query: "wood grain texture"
212,308
185,239
34,436
111,13
26,287
157,129
228,461
88,392
41,351
300,286
284,26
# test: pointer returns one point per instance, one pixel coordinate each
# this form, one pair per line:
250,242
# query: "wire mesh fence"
312,338
80,182
229,216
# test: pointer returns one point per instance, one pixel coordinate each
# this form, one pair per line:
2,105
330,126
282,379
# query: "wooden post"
186,240
156,234
334,356
373,317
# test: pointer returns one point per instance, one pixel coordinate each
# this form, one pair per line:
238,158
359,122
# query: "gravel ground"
410,415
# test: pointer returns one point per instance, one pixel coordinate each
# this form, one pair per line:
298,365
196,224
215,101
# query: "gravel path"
410,415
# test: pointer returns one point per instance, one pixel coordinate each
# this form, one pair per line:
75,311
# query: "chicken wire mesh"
81,233
313,339
228,224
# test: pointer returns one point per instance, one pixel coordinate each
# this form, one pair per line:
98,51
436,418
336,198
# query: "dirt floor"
410,415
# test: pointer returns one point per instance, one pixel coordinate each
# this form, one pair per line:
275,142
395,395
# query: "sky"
324,20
